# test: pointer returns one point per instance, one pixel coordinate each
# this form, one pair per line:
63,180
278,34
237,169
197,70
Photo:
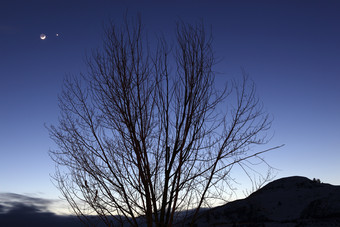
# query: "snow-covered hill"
291,201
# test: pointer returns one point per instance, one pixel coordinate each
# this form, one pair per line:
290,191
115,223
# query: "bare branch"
139,141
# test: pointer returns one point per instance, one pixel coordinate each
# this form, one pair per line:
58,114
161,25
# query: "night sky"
291,49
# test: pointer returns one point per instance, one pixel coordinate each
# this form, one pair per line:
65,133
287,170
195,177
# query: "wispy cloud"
12,201
20,210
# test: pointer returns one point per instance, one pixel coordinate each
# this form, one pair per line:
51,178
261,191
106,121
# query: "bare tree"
146,133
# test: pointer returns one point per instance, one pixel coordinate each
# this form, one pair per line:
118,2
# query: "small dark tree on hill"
147,133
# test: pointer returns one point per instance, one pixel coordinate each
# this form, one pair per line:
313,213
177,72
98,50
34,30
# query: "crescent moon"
42,36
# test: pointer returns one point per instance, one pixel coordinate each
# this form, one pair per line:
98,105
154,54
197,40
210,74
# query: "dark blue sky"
291,49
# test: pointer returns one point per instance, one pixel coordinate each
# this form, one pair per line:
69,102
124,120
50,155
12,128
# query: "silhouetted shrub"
316,180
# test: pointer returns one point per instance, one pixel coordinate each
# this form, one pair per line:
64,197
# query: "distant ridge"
290,201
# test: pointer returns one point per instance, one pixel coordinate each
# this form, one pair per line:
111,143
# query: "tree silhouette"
146,133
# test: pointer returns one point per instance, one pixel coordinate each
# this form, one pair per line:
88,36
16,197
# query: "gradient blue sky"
291,49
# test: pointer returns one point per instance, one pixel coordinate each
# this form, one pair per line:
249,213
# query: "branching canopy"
146,133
